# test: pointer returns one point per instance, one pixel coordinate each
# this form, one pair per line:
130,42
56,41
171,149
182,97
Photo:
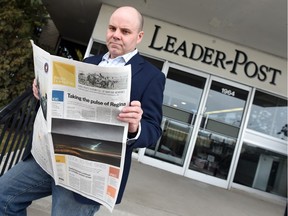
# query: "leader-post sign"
205,53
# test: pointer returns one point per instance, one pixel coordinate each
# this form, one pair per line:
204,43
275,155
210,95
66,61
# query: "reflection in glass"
269,115
173,144
225,104
183,90
98,48
262,169
182,95
212,154
219,130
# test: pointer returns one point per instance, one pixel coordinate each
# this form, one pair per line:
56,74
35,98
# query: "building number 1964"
228,92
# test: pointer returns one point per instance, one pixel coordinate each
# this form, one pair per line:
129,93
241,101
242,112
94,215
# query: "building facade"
224,110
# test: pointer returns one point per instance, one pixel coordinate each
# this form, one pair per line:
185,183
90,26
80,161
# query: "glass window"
219,130
226,104
182,95
183,91
98,48
173,144
262,169
269,115
71,50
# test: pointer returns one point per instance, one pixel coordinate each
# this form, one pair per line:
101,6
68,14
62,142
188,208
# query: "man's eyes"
123,31
112,28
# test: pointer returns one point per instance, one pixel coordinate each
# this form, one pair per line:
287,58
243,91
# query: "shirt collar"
124,58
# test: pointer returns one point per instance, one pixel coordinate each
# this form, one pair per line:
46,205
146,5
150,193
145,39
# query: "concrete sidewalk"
154,192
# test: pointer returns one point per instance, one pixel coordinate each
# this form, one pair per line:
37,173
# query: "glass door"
182,96
218,132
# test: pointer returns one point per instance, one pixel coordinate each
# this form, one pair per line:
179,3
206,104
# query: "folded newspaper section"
77,138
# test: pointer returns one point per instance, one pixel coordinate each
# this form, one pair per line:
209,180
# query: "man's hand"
35,89
131,114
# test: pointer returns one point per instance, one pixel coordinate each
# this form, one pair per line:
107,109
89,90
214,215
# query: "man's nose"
117,34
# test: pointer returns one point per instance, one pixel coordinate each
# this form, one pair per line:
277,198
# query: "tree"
20,21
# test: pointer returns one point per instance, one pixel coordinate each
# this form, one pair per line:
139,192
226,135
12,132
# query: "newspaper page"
77,138
41,137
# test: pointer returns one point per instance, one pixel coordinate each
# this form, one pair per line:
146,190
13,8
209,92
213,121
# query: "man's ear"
140,36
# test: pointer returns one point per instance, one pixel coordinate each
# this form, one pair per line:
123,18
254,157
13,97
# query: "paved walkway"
154,192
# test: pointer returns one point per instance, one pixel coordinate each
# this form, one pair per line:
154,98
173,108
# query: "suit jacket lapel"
136,63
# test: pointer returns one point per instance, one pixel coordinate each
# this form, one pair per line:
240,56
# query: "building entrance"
202,120
220,122
182,96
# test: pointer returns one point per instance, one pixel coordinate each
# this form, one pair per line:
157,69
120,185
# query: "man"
26,181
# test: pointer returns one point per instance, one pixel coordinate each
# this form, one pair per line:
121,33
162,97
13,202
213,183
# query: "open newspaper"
77,138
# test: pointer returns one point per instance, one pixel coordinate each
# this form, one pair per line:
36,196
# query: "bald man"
27,181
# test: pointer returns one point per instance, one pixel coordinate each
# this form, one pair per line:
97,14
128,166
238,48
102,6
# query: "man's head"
124,32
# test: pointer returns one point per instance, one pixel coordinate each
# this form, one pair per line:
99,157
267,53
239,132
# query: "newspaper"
77,138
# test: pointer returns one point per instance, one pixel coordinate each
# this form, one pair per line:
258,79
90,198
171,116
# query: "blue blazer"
147,86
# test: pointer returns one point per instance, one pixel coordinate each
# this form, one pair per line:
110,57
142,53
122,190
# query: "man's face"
123,33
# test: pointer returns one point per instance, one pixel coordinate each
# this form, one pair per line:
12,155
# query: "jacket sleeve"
151,99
